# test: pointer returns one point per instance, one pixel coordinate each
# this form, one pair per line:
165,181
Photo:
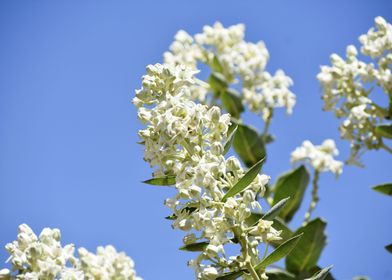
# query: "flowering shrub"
348,86
44,258
189,127
185,141
186,137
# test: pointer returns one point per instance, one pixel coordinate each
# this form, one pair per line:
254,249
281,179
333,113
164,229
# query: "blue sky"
68,131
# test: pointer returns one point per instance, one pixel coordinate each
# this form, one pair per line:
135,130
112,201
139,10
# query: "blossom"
185,139
348,84
44,258
321,157
225,51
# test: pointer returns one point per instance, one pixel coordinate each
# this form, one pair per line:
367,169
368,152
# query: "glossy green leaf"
245,181
321,275
195,247
291,184
161,181
308,250
275,210
384,189
232,102
249,145
384,130
217,83
283,250
279,274
229,140
389,248
230,275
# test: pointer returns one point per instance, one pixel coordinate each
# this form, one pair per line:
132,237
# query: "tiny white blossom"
320,157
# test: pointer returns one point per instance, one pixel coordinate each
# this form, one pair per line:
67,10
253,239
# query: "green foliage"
280,274
161,181
245,181
275,210
217,83
249,145
195,247
291,184
232,102
230,139
389,248
283,250
321,275
384,130
308,250
384,189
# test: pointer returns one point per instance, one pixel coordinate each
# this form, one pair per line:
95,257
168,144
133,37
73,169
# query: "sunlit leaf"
308,250
245,181
283,250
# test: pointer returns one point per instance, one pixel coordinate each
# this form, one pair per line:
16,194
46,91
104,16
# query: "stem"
266,126
315,197
265,251
245,252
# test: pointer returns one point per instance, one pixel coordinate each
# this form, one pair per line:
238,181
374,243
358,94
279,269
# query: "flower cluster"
225,51
320,157
348,83
185,140
44,258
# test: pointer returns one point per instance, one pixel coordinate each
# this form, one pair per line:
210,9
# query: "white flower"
225,51
320,157
44,258
348,83
185,139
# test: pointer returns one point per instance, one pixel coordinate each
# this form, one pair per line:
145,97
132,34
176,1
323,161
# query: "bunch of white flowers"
225,51
186,140
44,258
321,157
349,82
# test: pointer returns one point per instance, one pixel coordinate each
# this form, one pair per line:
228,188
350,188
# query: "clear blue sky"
68,133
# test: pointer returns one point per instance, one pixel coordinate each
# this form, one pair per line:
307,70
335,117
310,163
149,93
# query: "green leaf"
253,219
291,184
279,274
216,66
162,181
321,275
232,102
249,145
230,275
217,83
389,248
195,247
189,209
308,250
384,130
283,250
229,140
275,210
245,180
384,189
